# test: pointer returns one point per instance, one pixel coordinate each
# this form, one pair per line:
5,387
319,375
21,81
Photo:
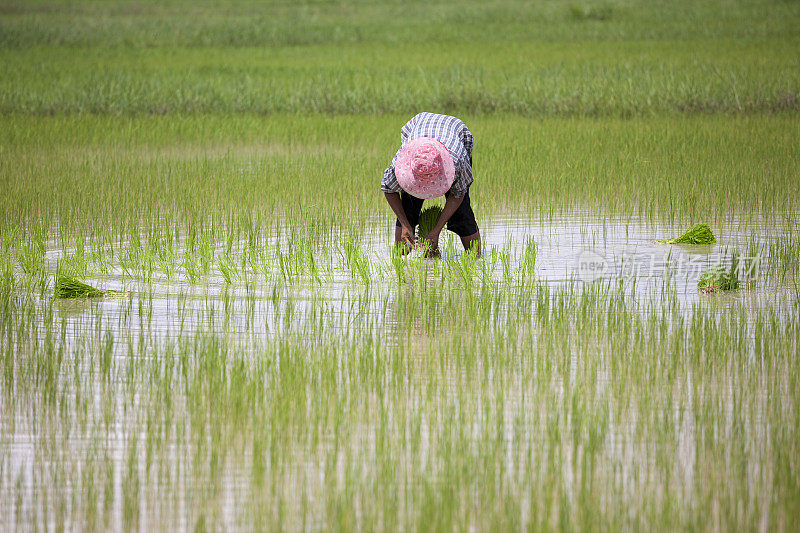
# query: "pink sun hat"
425,168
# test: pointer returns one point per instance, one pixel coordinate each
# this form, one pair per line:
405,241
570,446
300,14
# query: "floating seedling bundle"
700,234
719,279
69,287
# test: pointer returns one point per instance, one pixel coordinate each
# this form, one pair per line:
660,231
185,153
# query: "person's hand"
431,243
407,240
407,235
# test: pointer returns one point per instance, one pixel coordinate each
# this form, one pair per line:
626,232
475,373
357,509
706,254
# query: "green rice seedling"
101,259
245,262
428,219
783,256
101,251
191,266
363,269
460,271
8,240
357,261
127,262
398,266
528,261
505,85
505,264
77,262
295,261
230,239
68,286
7,280
162,248
245,258
715,279
325,263
136,259
286,266
304,257
205,254
227,267
719,278
487,266
313,268
349,251
700,234
190,243
168,266
266,264
31,258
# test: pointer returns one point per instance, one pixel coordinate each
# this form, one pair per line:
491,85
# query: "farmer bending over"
434,159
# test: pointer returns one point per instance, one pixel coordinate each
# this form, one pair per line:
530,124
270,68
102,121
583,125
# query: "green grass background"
533,58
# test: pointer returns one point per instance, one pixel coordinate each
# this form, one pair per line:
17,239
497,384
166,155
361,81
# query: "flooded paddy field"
299,385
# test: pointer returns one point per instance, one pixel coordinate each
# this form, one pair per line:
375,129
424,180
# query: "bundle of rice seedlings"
718,278
69,287
428,219
700,234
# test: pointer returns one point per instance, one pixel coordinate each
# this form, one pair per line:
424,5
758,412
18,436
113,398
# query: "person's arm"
407,232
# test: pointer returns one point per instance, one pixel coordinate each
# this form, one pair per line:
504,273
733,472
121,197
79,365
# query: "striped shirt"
453,133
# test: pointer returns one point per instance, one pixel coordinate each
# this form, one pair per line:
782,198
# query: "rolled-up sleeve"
463,178
389,182
466,138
